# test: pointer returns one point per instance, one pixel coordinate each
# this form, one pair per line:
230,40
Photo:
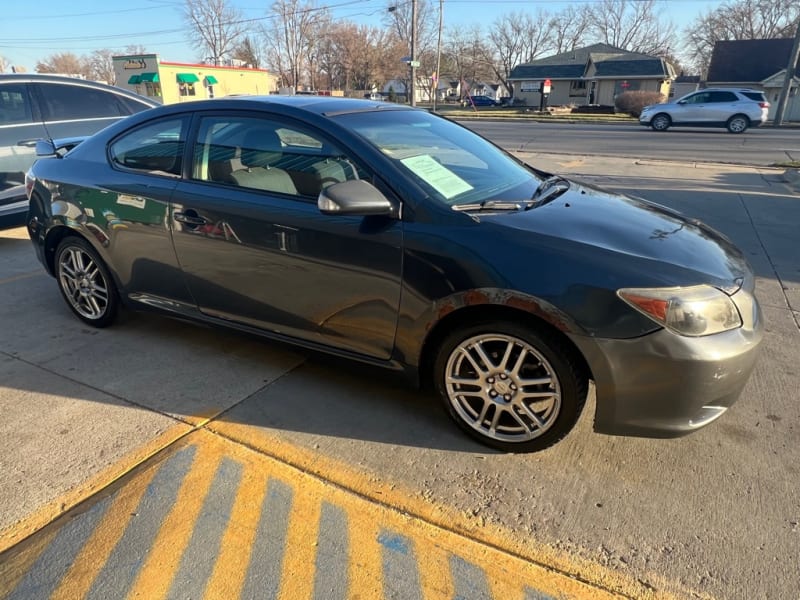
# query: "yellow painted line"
297,578
55,508
552,565
434,575
90,560
161,565
230,570
365,568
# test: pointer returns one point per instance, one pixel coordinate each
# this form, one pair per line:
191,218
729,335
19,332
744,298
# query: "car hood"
663,246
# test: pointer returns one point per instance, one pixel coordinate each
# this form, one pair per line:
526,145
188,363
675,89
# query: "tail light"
764,104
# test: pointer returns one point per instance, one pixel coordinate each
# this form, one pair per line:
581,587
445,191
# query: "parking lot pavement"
714,514
210,518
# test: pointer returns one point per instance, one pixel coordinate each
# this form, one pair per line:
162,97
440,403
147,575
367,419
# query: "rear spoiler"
59,147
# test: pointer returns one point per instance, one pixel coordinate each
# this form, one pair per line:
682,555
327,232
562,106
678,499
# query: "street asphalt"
712,515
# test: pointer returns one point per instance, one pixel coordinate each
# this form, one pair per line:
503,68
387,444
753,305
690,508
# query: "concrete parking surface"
99,414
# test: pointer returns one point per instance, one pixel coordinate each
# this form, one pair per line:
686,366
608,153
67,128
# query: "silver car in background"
732,108
36,106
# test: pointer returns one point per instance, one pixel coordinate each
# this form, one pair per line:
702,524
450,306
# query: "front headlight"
691,311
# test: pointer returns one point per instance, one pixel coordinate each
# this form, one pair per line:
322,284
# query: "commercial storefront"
173,82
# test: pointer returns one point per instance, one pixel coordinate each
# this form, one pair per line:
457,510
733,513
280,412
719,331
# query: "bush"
633,102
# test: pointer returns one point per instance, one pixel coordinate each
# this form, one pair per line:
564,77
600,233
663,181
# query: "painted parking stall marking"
209,518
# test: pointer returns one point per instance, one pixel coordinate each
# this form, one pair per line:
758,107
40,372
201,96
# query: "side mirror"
45,148
681,102
356,198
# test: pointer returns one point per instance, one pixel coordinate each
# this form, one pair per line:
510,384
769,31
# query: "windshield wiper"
489,205
549,189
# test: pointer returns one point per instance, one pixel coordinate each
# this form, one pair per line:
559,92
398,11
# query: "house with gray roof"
757,64
591,75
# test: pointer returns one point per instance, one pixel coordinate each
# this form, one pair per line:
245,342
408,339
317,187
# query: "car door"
255,249
20,127
722,106
693,109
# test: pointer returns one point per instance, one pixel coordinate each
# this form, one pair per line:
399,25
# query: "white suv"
735,109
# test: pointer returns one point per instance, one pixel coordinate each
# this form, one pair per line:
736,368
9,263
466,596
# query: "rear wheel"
509,386
738,123
85,282
660,122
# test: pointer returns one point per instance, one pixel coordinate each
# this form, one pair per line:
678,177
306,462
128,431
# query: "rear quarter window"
15,104
755,96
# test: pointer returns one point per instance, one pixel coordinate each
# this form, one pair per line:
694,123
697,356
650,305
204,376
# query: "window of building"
156,148
186,89
152,88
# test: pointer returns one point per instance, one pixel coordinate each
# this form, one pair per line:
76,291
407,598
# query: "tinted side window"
265,155
723,97
15,104
64,102
700,98
156,148
755,96
132,106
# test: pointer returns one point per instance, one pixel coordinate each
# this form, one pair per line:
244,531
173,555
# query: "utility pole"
787,80
413,52
438,56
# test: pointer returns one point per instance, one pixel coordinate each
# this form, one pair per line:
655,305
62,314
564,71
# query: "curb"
792,177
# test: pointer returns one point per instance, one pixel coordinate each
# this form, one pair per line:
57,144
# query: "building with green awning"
174,82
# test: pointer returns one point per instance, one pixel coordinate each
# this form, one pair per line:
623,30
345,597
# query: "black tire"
738,124
661,122
492,402
85,282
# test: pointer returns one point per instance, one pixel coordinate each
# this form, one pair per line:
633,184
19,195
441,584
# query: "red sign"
546,86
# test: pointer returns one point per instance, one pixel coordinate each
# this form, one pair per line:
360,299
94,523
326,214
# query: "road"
762,146
712,515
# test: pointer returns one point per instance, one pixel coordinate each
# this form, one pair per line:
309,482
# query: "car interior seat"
261,149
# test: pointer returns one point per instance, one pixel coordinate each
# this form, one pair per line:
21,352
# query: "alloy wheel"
83,283
502,387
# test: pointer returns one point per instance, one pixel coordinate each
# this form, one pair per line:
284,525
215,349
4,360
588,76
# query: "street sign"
413,63
546,86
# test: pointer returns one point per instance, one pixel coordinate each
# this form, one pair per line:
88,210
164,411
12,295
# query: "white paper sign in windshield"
439,177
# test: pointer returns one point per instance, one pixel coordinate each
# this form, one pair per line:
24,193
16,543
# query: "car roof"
67,80
320,105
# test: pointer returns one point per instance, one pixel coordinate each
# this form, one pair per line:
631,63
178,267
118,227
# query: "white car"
732,108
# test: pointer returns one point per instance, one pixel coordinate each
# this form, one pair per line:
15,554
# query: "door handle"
187,218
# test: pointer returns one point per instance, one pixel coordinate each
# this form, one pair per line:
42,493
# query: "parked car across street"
398,238
732,108
34,106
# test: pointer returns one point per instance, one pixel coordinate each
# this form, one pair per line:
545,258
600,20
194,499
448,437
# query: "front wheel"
509,386
85,282
738,124
660,122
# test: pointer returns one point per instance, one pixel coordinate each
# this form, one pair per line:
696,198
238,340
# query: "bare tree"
467,58
517,38
633,25
101,66
65,63
134,49
740,20
247,52
218,26
570,28
290,38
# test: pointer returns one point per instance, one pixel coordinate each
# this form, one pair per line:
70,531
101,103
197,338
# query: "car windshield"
454,165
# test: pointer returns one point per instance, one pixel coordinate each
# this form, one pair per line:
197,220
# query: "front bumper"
667,385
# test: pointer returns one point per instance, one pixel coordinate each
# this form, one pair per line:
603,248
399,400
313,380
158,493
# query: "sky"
29,35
